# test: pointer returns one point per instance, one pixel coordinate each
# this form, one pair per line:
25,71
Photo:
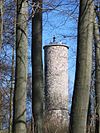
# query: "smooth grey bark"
1,29
91,119
80,99
1,22
11,93
21,68
97,81
98,13
37,68
1,110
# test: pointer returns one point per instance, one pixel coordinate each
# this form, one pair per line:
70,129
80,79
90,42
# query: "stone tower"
56,82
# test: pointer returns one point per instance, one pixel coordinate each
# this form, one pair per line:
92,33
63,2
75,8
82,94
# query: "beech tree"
11,93
80,99
1,21
1,28
0,110
37,69
97,81
21,68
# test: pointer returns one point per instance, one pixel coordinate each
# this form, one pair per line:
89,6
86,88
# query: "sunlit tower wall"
56,82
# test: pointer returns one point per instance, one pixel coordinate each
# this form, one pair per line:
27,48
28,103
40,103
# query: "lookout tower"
56,81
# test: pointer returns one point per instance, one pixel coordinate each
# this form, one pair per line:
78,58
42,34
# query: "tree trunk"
1,114
91,119
21,68
37,69
80,99
11,93
97,81
1,22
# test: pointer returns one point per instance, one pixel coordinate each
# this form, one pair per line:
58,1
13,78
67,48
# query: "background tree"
6,59
1,22
21,68
80,99
37,68
11,93
1,110
97,81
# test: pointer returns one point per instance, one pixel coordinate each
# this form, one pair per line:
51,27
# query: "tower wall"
56,81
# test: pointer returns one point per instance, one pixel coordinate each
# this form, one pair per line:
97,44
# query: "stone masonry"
56,81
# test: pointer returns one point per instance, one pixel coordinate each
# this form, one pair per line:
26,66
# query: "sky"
62,24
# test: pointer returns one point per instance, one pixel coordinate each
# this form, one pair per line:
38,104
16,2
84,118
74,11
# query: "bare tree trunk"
11,93
21,68
97,82
1,22
0,111
37,68
91,119
80,99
